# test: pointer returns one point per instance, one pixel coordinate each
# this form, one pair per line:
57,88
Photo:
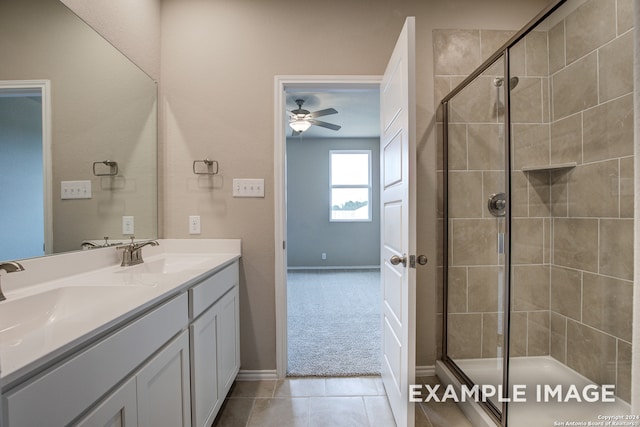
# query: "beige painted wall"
132,26
218,60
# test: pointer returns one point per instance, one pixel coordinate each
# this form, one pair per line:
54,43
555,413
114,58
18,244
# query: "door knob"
422,259
395,260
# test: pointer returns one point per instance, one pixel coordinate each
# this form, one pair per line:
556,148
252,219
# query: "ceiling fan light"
299,125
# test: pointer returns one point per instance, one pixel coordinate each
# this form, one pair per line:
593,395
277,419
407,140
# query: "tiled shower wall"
572,246
591,69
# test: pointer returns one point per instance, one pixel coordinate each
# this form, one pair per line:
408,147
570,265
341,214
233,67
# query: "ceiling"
358,112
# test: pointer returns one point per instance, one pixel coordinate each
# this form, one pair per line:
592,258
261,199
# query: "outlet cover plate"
194,224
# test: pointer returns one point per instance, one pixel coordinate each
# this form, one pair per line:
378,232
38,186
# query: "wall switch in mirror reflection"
75,190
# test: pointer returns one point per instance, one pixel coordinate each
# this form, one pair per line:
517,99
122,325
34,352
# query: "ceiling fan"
302,119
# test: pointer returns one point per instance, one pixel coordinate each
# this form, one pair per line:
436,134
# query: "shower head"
513,82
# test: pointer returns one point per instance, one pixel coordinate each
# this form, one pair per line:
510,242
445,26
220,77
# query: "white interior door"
398,154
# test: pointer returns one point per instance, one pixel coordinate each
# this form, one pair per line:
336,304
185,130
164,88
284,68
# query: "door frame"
281,84
47,175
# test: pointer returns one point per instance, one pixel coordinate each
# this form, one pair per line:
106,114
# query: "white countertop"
89,294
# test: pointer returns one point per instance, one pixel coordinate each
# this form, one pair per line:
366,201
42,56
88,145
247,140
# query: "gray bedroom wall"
309,232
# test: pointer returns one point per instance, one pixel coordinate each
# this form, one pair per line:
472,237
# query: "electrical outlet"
324,255
194,224
127,225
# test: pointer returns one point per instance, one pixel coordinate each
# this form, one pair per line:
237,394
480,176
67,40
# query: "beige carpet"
334,322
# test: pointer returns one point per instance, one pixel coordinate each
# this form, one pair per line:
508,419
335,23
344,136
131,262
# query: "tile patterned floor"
320,402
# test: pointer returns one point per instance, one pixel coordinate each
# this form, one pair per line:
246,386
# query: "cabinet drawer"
211,289
58,396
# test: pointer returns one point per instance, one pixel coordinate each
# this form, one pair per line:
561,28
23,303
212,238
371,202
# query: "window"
350,185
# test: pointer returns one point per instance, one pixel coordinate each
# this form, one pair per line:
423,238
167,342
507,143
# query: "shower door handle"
395,260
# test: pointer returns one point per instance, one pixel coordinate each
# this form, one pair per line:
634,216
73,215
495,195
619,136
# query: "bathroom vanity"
156,344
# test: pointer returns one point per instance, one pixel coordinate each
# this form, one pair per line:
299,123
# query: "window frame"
368,186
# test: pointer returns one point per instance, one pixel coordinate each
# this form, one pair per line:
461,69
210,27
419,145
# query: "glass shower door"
475,178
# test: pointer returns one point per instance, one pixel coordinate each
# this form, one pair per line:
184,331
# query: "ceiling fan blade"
324,112
324,124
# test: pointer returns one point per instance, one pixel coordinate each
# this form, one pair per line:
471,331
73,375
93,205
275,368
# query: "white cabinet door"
215,357
119,410
163,387
204,376
228,313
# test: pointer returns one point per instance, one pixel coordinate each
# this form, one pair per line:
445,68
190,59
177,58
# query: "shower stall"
537,261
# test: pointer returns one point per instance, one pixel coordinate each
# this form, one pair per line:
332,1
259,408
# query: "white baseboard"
337,267
255,375
426,371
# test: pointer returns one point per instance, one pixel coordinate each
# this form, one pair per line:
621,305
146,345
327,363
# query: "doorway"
24,162
333,229
314,258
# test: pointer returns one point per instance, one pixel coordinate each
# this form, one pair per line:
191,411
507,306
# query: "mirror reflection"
78,131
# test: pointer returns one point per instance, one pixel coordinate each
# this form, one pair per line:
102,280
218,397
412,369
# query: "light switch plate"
75,190
248,187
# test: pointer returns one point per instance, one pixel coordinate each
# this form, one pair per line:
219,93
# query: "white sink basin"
170,264
56,308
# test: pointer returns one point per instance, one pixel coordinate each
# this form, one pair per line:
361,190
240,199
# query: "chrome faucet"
9,267
132,252
88,244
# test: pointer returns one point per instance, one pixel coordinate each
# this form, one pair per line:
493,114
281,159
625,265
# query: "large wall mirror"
71,107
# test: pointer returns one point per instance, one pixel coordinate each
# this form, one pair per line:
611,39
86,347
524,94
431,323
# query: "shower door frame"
499,415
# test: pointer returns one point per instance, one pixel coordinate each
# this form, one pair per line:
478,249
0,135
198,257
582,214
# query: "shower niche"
537,210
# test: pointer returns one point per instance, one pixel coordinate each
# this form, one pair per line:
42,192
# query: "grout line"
564,43
253,405
619,188
615,15
466,143
615,380
466,281
598,75
524,48
581,293
566,338
598,248
526,335
600,331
